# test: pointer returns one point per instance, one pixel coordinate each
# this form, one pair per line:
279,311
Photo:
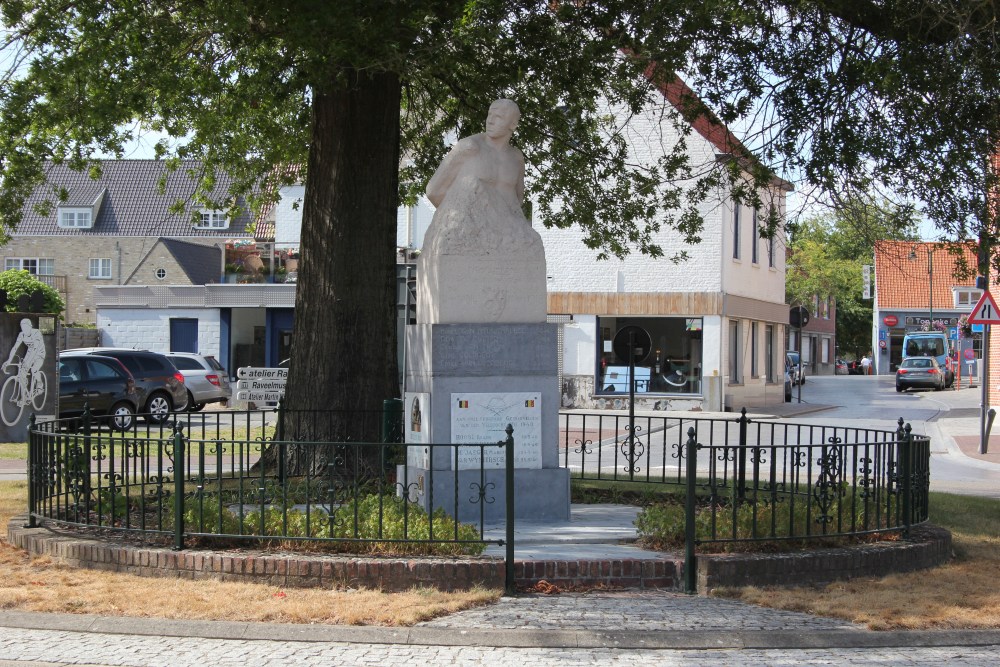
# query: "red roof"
902,283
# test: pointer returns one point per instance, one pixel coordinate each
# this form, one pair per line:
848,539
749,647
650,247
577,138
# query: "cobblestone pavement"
46,647
597,628
632,611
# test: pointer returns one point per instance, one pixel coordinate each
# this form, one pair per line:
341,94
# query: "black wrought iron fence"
744,480
224,476
259,475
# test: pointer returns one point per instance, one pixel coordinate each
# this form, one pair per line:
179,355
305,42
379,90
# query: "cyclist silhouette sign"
25,387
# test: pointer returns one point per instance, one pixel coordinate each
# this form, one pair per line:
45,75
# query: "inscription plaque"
482,419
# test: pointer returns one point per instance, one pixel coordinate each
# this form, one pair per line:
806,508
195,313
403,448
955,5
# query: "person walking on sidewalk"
866,365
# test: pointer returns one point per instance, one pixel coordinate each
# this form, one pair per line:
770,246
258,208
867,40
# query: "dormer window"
211,219
76,218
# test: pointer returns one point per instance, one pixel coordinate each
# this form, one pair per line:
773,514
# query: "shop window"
673,365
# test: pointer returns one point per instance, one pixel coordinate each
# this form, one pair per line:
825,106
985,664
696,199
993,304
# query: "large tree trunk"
344,341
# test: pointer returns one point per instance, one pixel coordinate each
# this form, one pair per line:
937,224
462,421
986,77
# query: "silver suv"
204,377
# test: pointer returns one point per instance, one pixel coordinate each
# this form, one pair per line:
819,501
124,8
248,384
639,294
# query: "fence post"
906,463
509,481
179,488
690,573
32,461
741,470
279,433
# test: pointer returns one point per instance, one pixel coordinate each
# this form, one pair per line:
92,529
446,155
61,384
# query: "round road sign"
890,320
632,341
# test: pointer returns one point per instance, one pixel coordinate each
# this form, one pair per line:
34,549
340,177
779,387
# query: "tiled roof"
131,204
903,283
200,262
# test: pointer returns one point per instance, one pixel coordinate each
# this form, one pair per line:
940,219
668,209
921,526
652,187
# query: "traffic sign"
986,311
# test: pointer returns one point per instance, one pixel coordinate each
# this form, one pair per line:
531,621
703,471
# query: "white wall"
149,329
412,223
288,216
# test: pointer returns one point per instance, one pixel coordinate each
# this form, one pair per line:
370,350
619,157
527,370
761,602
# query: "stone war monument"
482,355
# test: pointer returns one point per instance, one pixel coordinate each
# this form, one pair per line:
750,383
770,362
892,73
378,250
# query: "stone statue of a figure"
481,261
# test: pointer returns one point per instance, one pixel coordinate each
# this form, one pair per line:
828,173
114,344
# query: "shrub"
790,523
380,520
18,281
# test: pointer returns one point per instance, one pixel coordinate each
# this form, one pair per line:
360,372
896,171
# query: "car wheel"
158,408
191,405
899,389
121,417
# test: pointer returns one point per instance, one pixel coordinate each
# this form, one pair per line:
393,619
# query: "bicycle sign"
27,384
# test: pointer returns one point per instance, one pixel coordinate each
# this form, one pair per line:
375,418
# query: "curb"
927,547
499,638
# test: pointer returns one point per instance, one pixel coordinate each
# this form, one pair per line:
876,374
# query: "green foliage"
17,282
826,253
662,525
380,520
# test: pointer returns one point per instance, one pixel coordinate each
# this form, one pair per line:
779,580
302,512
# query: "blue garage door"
183,334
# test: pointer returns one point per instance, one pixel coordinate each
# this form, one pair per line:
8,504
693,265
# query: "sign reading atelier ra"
260,385
482,419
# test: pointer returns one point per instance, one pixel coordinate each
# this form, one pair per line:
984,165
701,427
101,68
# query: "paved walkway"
596,628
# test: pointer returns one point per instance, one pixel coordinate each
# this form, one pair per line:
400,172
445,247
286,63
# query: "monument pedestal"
465,383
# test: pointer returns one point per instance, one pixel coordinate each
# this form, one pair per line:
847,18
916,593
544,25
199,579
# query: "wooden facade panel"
693,304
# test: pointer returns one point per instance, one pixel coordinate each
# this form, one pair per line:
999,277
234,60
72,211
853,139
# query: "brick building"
125,227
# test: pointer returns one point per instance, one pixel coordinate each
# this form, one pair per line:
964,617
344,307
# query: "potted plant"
279,274
232,272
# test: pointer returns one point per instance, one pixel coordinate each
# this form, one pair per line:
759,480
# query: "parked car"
160,385
854,367
841,367
788,386
204,377
98,383
794,365
920,372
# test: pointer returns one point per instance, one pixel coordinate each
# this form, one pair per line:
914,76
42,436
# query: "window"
212,219
753,350
736,230
673,365
735,377
770,251
967,297
160,274
754,240
824,351
36,267
75,218
828,307
100,268
769,352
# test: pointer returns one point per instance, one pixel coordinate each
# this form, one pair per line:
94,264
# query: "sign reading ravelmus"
260,385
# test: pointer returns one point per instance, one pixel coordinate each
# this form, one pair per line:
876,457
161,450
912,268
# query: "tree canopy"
842,96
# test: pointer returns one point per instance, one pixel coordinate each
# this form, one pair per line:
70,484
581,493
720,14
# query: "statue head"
502,119
26,325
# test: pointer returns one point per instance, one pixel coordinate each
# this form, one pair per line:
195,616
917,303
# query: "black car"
99,383
920,372
160,385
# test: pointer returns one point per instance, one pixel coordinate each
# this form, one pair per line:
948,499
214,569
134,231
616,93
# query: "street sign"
260,396
986,311
261,385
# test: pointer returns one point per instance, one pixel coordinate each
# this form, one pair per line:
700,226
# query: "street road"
872,402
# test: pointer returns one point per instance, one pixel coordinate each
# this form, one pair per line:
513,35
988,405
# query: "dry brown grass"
42,584
960,594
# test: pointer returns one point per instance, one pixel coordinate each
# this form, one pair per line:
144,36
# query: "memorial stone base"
465,383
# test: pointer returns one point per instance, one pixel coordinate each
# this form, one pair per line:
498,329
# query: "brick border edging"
929,546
